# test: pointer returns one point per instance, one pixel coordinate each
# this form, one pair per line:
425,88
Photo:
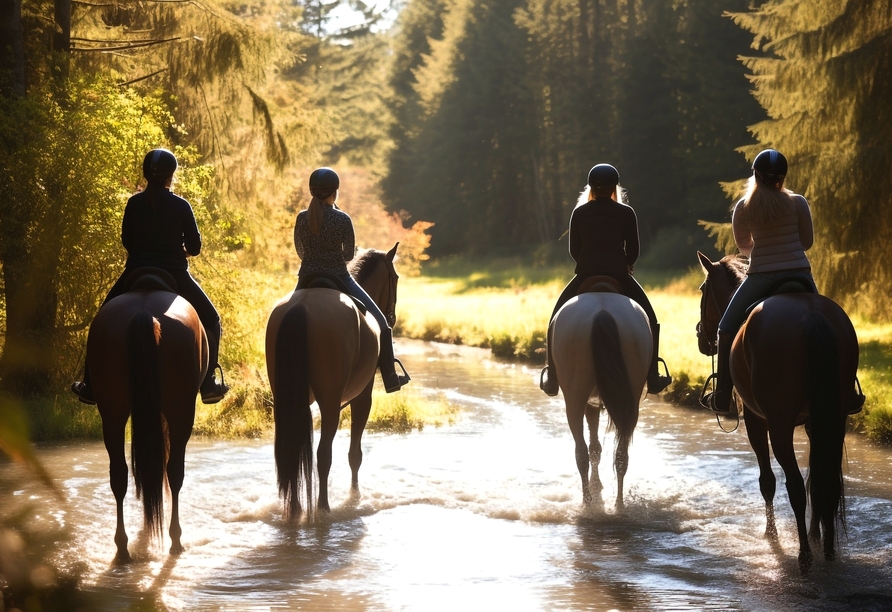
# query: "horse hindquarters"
293,418
148,445
826,430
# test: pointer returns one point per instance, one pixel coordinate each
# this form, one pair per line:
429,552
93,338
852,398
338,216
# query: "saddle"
323,280
792,283
600,284
150,279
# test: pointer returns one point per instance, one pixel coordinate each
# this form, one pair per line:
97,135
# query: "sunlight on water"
482,515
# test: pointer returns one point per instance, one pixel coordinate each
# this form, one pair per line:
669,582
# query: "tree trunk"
12,47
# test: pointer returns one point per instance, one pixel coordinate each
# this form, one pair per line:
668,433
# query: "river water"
485,514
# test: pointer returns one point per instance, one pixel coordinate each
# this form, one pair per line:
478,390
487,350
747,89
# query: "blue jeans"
360,294
754,288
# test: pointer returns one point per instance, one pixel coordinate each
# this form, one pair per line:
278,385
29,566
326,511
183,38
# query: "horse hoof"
805,560
122,558
177,549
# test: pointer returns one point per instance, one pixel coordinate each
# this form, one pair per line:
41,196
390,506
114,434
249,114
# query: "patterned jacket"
330,249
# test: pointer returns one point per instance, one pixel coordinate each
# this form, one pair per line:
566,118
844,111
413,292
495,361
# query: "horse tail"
826,425
294,420
148,445
612,376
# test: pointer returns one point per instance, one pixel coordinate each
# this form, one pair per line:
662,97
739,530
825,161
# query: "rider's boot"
83,389
387,364
657,382
719,401
211,390
548,380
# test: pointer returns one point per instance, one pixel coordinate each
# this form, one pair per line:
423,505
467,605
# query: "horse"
147,353
602,352
321,345
793,362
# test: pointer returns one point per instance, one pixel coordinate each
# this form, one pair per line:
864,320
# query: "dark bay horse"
602,351
147,354
321,346
793,362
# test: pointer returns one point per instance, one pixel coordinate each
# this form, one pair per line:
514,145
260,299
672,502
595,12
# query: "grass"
506,308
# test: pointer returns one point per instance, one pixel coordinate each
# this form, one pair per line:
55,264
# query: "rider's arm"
191,235
806,229
633,245
348,242
742,234
575,240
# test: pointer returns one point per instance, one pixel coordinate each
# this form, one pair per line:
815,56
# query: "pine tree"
823,79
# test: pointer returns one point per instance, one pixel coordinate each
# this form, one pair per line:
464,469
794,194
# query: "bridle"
708,327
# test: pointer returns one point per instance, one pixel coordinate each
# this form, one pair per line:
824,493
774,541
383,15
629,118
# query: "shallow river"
482,515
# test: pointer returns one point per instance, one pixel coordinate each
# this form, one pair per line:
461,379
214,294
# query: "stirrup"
404,377
660,382
217,392
859,399
707,399
79,388
549,385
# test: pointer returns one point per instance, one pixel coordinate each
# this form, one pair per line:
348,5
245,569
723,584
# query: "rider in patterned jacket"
324,239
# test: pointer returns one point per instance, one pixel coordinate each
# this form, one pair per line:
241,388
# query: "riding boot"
548,380
83,389
657,382
211,390
387,364
720,400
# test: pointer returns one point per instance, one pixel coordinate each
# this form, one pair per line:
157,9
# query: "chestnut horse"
602,351
147,353
793,362
322,346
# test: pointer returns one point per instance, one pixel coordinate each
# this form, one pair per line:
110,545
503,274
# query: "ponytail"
764,202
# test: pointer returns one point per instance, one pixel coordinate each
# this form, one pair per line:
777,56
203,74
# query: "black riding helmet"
159,165
770,165
603,177
324,182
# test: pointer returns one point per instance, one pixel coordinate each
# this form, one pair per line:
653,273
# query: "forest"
461,129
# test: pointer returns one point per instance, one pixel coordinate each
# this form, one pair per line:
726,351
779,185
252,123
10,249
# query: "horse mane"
735,267
361,268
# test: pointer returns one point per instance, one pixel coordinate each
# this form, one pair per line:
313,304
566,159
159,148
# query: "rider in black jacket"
604,242
159,231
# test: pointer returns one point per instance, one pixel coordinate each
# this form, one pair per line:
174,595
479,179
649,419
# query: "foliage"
822,78
500,109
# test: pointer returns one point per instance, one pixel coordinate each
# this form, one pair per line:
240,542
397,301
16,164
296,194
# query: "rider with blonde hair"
325,242
773,226
604,242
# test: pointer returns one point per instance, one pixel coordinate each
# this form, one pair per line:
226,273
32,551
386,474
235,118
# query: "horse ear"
392,253
705,263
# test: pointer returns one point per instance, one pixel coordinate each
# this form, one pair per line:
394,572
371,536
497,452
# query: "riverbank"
507,311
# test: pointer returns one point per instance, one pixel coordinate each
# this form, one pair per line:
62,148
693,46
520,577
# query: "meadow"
506,308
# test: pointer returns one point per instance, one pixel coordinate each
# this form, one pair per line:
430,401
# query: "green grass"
506,308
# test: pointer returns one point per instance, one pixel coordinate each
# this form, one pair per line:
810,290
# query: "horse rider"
773,227
325,242
604,242
159,231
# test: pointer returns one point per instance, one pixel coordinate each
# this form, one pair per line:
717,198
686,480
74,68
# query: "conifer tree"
823,79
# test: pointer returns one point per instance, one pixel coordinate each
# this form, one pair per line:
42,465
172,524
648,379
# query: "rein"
708,343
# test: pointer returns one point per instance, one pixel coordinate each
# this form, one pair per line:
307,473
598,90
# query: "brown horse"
321,346
793,362
148,354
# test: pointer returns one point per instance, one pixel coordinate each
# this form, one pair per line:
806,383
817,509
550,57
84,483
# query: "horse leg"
360,408
175,472
113,435
782,443
592,416
757,432
330,418
620,465
575,416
